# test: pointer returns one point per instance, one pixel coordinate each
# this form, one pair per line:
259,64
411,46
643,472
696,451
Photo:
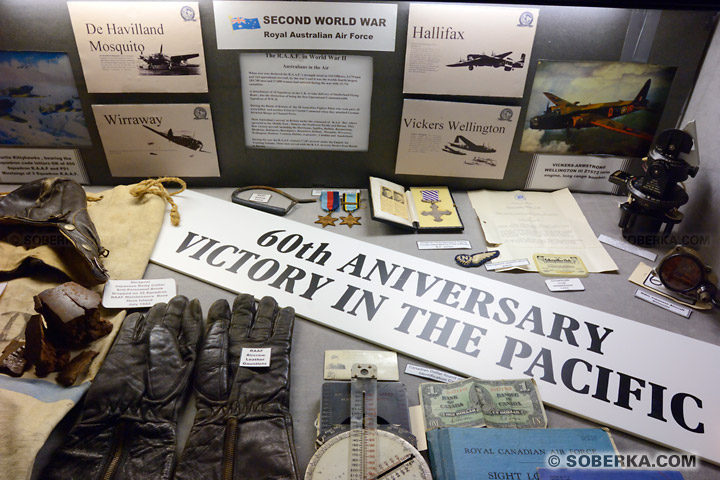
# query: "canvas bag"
128,220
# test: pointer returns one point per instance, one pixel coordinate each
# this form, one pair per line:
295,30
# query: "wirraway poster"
158,140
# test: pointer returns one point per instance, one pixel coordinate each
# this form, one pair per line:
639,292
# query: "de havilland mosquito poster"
158,140
453,139
471,50
140,46
605,108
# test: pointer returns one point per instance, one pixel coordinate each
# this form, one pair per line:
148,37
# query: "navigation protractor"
397,459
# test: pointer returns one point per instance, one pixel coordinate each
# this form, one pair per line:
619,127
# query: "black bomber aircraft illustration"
6,106
160,61
565,114
496,61
183,140
462,143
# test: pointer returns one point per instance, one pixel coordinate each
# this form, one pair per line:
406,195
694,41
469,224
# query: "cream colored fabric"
31,407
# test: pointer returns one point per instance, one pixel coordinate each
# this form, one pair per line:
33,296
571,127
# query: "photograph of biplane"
39,104
604,108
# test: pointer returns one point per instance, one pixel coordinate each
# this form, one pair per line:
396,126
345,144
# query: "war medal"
329,201
432,197
350,203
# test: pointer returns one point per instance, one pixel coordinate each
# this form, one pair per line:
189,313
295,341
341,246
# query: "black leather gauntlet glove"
129,417
243,427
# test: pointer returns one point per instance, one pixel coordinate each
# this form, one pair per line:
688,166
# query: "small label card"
138,293
2,287
628,247
255,357
260,197
432,374
663,303
444,245
521,262
564,285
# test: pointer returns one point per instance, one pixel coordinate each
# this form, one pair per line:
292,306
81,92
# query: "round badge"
187,13
200,113
526,19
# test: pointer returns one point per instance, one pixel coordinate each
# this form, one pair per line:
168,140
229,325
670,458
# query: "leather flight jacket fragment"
57,204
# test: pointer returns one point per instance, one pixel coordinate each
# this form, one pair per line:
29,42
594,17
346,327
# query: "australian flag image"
242,23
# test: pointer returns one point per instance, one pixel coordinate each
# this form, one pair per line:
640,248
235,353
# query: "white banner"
261,25
636,378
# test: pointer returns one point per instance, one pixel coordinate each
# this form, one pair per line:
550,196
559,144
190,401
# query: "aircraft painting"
160,61
66,106
18,92
461,143
183,140
496,61
6,106
565,114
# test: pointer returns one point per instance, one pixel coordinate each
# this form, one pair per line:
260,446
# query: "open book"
417,208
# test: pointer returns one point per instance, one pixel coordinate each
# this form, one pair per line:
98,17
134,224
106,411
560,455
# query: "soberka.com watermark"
640,460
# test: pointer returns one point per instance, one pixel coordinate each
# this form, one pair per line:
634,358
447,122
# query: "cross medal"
432,197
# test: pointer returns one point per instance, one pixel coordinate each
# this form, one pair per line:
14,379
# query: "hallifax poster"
470,50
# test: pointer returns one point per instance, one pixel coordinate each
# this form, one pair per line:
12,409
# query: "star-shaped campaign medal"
326,220
350,220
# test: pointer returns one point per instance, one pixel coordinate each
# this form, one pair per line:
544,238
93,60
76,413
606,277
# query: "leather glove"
243,427
129,417
59,204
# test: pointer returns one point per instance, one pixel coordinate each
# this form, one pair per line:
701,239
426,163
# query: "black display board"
666,37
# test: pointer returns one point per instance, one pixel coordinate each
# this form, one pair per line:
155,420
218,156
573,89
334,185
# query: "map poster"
468,49
151,47
158,140
452,139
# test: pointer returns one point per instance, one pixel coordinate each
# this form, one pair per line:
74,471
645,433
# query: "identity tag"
663,303
443,245
255,357
432,374
2,287
138,293
260,197
564,284
521,262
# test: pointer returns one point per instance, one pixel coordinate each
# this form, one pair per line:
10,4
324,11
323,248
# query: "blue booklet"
508,454
606,474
